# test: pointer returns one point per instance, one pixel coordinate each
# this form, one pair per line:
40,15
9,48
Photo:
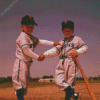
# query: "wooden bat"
85,80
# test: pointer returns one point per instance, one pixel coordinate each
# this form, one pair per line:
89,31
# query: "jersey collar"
68,38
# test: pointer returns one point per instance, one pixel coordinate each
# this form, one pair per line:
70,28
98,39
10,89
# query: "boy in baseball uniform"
24,54
66,70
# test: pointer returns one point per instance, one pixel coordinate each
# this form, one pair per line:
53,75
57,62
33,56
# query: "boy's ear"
22,27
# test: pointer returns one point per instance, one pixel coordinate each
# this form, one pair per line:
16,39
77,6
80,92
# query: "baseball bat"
85,80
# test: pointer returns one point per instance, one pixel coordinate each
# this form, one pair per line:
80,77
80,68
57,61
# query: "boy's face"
27,28
67,32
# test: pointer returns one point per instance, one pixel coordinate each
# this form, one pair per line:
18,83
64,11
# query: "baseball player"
24,54
66,70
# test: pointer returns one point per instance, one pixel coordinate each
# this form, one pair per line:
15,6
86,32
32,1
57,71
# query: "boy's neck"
69,37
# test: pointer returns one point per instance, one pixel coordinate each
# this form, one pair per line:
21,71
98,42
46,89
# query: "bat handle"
85,80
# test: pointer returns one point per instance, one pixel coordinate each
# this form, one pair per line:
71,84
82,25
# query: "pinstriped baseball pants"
21,75
65,74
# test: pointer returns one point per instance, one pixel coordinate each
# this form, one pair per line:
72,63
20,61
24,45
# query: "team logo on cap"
66,21
30,17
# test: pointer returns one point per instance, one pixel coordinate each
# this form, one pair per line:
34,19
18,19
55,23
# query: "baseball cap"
27,20
67,24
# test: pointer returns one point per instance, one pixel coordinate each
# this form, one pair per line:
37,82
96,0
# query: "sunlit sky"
49,14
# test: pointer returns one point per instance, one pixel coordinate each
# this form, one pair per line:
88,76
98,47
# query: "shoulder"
77,38
22,37
62,42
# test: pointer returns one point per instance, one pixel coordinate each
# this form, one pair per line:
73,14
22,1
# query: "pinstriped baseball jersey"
66,69
23,41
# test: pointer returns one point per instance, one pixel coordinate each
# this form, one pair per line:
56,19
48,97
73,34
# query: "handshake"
41,57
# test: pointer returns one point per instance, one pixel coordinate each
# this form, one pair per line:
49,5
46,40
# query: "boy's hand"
56,43
41,57
74,54
61,43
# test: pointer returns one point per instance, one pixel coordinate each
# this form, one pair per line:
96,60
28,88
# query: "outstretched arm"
48,43
49,53
52,52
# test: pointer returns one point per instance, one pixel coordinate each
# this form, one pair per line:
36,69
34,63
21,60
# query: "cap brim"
35,24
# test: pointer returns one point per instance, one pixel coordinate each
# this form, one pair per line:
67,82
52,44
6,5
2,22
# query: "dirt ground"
50,92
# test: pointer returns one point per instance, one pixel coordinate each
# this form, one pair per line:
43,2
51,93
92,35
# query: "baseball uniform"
24,54
66,70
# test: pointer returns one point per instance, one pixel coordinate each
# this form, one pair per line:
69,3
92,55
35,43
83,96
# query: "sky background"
49,14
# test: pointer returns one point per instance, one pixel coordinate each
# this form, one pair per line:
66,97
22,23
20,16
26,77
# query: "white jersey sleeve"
30,53
45,42
82,47
82,50
53,51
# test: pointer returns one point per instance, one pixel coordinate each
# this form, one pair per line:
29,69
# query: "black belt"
31,61
63,57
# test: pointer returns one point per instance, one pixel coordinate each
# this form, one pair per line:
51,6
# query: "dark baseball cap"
28,20
67,24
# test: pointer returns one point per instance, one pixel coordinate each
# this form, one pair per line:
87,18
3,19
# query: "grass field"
48,91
